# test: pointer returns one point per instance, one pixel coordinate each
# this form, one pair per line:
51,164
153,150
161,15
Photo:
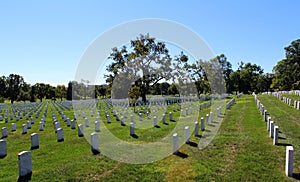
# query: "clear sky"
44,40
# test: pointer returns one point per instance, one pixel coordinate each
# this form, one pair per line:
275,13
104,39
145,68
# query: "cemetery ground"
241,151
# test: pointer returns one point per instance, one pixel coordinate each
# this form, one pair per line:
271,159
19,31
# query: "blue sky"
44,40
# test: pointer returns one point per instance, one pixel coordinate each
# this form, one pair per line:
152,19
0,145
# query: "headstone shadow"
25,178
198,136
192,144
182,155
134,136
296,176
284,144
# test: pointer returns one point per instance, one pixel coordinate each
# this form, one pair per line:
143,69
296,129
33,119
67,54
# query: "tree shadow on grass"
180,154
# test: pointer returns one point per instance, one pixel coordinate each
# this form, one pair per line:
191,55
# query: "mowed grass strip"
288,120
242,150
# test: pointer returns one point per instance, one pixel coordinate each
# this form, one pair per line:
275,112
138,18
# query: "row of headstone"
230,103
286,100
273,133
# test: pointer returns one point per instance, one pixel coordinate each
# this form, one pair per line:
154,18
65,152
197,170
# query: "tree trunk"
144,99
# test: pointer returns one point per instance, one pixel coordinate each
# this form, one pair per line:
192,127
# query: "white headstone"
68,122
207,118
132,129
80,130
24,128
265,115
186,111
73,127
35,141
28,124
210,116
196,130
275,138
56,126
13,127
97,126
94,143
268,124
86,122
25,163
171,116
182,113
132,118
108,119
289,160
164,118
41,126
202,124
155,123
122,121
60,134
4,132
272,129
186,134
3,148
175,143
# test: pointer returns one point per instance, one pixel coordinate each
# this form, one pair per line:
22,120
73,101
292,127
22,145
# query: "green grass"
242,151
288,120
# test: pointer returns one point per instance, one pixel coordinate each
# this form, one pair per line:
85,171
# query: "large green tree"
14,83
246,79
40,90
287,70
143,64
3,87
61,91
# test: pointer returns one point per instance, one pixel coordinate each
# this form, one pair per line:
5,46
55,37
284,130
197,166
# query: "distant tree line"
14,88
153,80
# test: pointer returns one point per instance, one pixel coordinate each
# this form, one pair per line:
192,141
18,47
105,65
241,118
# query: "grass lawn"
241,151
288,120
